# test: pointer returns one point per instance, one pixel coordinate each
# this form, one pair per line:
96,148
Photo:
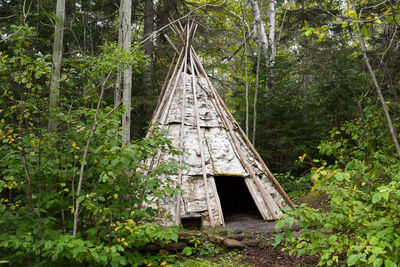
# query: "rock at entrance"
232,243
251,243
176,246
215,238
239,237
187,236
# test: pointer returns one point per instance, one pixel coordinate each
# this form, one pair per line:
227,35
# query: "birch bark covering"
127,91
57,55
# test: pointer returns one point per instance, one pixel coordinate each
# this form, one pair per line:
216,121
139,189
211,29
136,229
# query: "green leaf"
80,199
104,161
290,221
352,260
389,263
365,31
187,251
378,262
385,195
344,25
280,224
376,197
278,239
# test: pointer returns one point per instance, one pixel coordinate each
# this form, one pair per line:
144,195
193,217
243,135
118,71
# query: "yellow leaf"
301,158
163,263
354,188
352,13
115,195
72,210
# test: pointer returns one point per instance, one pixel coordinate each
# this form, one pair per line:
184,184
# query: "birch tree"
117,89
148,28
57,55
271,31
126,6
262,33
245,69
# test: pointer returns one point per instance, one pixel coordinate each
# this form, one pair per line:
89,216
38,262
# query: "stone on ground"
232,243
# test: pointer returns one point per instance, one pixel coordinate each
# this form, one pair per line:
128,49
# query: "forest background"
315,85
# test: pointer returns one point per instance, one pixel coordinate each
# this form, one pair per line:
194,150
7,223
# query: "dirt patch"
266,254
270,256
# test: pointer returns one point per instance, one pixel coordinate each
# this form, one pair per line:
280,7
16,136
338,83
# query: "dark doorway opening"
236,200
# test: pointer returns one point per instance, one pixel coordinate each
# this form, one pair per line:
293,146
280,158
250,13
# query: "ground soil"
270,256
266,254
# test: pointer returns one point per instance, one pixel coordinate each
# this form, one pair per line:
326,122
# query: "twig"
154,34
85,154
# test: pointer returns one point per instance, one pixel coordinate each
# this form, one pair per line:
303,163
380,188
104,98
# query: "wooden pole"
203,165
166,97
164,87
181,132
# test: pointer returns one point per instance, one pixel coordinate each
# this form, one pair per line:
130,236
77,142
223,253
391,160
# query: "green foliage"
360,227
39,169
294,186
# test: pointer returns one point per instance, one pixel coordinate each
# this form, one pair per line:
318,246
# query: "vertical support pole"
181,131
203,165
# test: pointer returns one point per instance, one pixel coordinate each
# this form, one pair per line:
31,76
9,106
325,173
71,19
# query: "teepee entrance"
235,198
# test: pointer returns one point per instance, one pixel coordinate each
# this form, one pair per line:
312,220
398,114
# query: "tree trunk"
271,33
378,90
127,87
256,96
261,28
245,70
148,46
117,89
57,55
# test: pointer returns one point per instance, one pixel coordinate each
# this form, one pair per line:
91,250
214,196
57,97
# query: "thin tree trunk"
271,29
96,123
117,90
57,55
256,96
378,90
148,29
261,28
126,43
245,70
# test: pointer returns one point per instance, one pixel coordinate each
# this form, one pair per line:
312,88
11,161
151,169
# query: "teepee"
214,145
